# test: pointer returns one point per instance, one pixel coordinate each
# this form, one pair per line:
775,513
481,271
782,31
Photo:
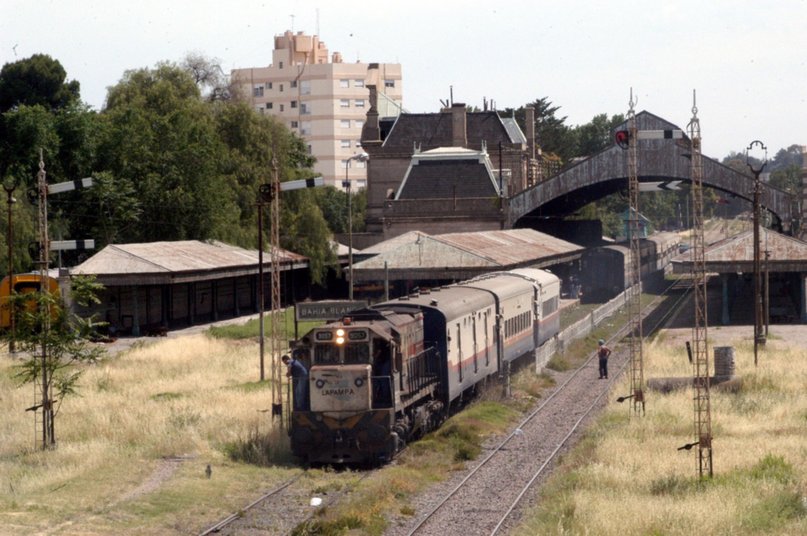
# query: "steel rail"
616,337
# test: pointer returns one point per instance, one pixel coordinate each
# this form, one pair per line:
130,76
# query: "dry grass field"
133,447
628,478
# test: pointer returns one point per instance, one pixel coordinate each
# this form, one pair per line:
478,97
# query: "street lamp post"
759,336
9,186
361,157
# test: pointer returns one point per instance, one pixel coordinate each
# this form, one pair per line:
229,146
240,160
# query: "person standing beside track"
299,378
603,353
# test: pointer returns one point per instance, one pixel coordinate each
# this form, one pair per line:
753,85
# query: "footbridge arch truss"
659,160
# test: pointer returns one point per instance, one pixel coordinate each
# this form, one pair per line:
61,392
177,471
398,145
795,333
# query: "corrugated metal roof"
173,257
491,249
736,254
394,243
741,247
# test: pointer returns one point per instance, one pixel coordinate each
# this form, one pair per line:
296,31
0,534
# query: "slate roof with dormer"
435,130
446,173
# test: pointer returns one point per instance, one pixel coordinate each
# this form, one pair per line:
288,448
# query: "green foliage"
774,468
251,328
262,449
774,511
673,485
38,80
596,135
55,340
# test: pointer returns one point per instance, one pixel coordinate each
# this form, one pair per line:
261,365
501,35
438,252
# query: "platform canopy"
736,254
418,255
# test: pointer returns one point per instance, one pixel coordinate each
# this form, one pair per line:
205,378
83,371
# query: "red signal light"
622,138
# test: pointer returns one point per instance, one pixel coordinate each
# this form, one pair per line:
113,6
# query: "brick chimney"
459,125
529,124
371,131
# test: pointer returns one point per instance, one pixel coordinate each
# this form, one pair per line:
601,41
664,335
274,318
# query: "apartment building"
323,99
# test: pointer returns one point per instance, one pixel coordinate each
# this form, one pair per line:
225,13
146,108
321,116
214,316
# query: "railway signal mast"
635,293
270,193
700,362
45,246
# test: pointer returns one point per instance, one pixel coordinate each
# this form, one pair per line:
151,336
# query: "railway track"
511,470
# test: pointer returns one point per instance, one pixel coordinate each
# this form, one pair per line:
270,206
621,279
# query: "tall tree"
36,80
161,137
209,76
596,135
553,135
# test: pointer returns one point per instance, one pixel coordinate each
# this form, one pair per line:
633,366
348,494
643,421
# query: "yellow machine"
23,284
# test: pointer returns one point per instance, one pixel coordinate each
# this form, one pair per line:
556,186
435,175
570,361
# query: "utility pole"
759,335
9,187
700,361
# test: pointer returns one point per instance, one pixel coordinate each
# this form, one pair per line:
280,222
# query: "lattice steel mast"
45,403
700,358
635,292
276,335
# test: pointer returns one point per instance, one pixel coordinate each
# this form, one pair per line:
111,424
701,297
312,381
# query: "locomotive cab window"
357,353
326,354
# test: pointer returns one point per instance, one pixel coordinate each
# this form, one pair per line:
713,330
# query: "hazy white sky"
746,59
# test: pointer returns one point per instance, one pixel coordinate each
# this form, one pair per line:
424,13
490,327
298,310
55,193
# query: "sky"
742,62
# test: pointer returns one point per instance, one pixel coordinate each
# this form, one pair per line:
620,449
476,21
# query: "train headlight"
340,336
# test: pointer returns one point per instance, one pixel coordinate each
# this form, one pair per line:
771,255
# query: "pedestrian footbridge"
658,160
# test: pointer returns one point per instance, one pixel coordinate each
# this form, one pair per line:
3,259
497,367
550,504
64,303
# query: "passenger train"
606,271
388,374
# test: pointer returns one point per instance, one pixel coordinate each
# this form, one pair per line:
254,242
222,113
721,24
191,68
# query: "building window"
305,129
389,83
268,105
344,123
280,65
305,108
294,124
358,144
294,104
358,83
344,83
268,85
259,108
281,87
305,87
345,144
293,83
360,164
344,103
257,91
310,150
358,123
282,107
359,103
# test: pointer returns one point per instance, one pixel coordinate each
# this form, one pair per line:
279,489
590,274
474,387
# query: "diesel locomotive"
387,374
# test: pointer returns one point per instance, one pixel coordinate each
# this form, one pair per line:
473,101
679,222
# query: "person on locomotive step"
603,353
299,378
382,369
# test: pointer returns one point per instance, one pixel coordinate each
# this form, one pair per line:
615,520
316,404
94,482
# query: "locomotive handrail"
422,369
